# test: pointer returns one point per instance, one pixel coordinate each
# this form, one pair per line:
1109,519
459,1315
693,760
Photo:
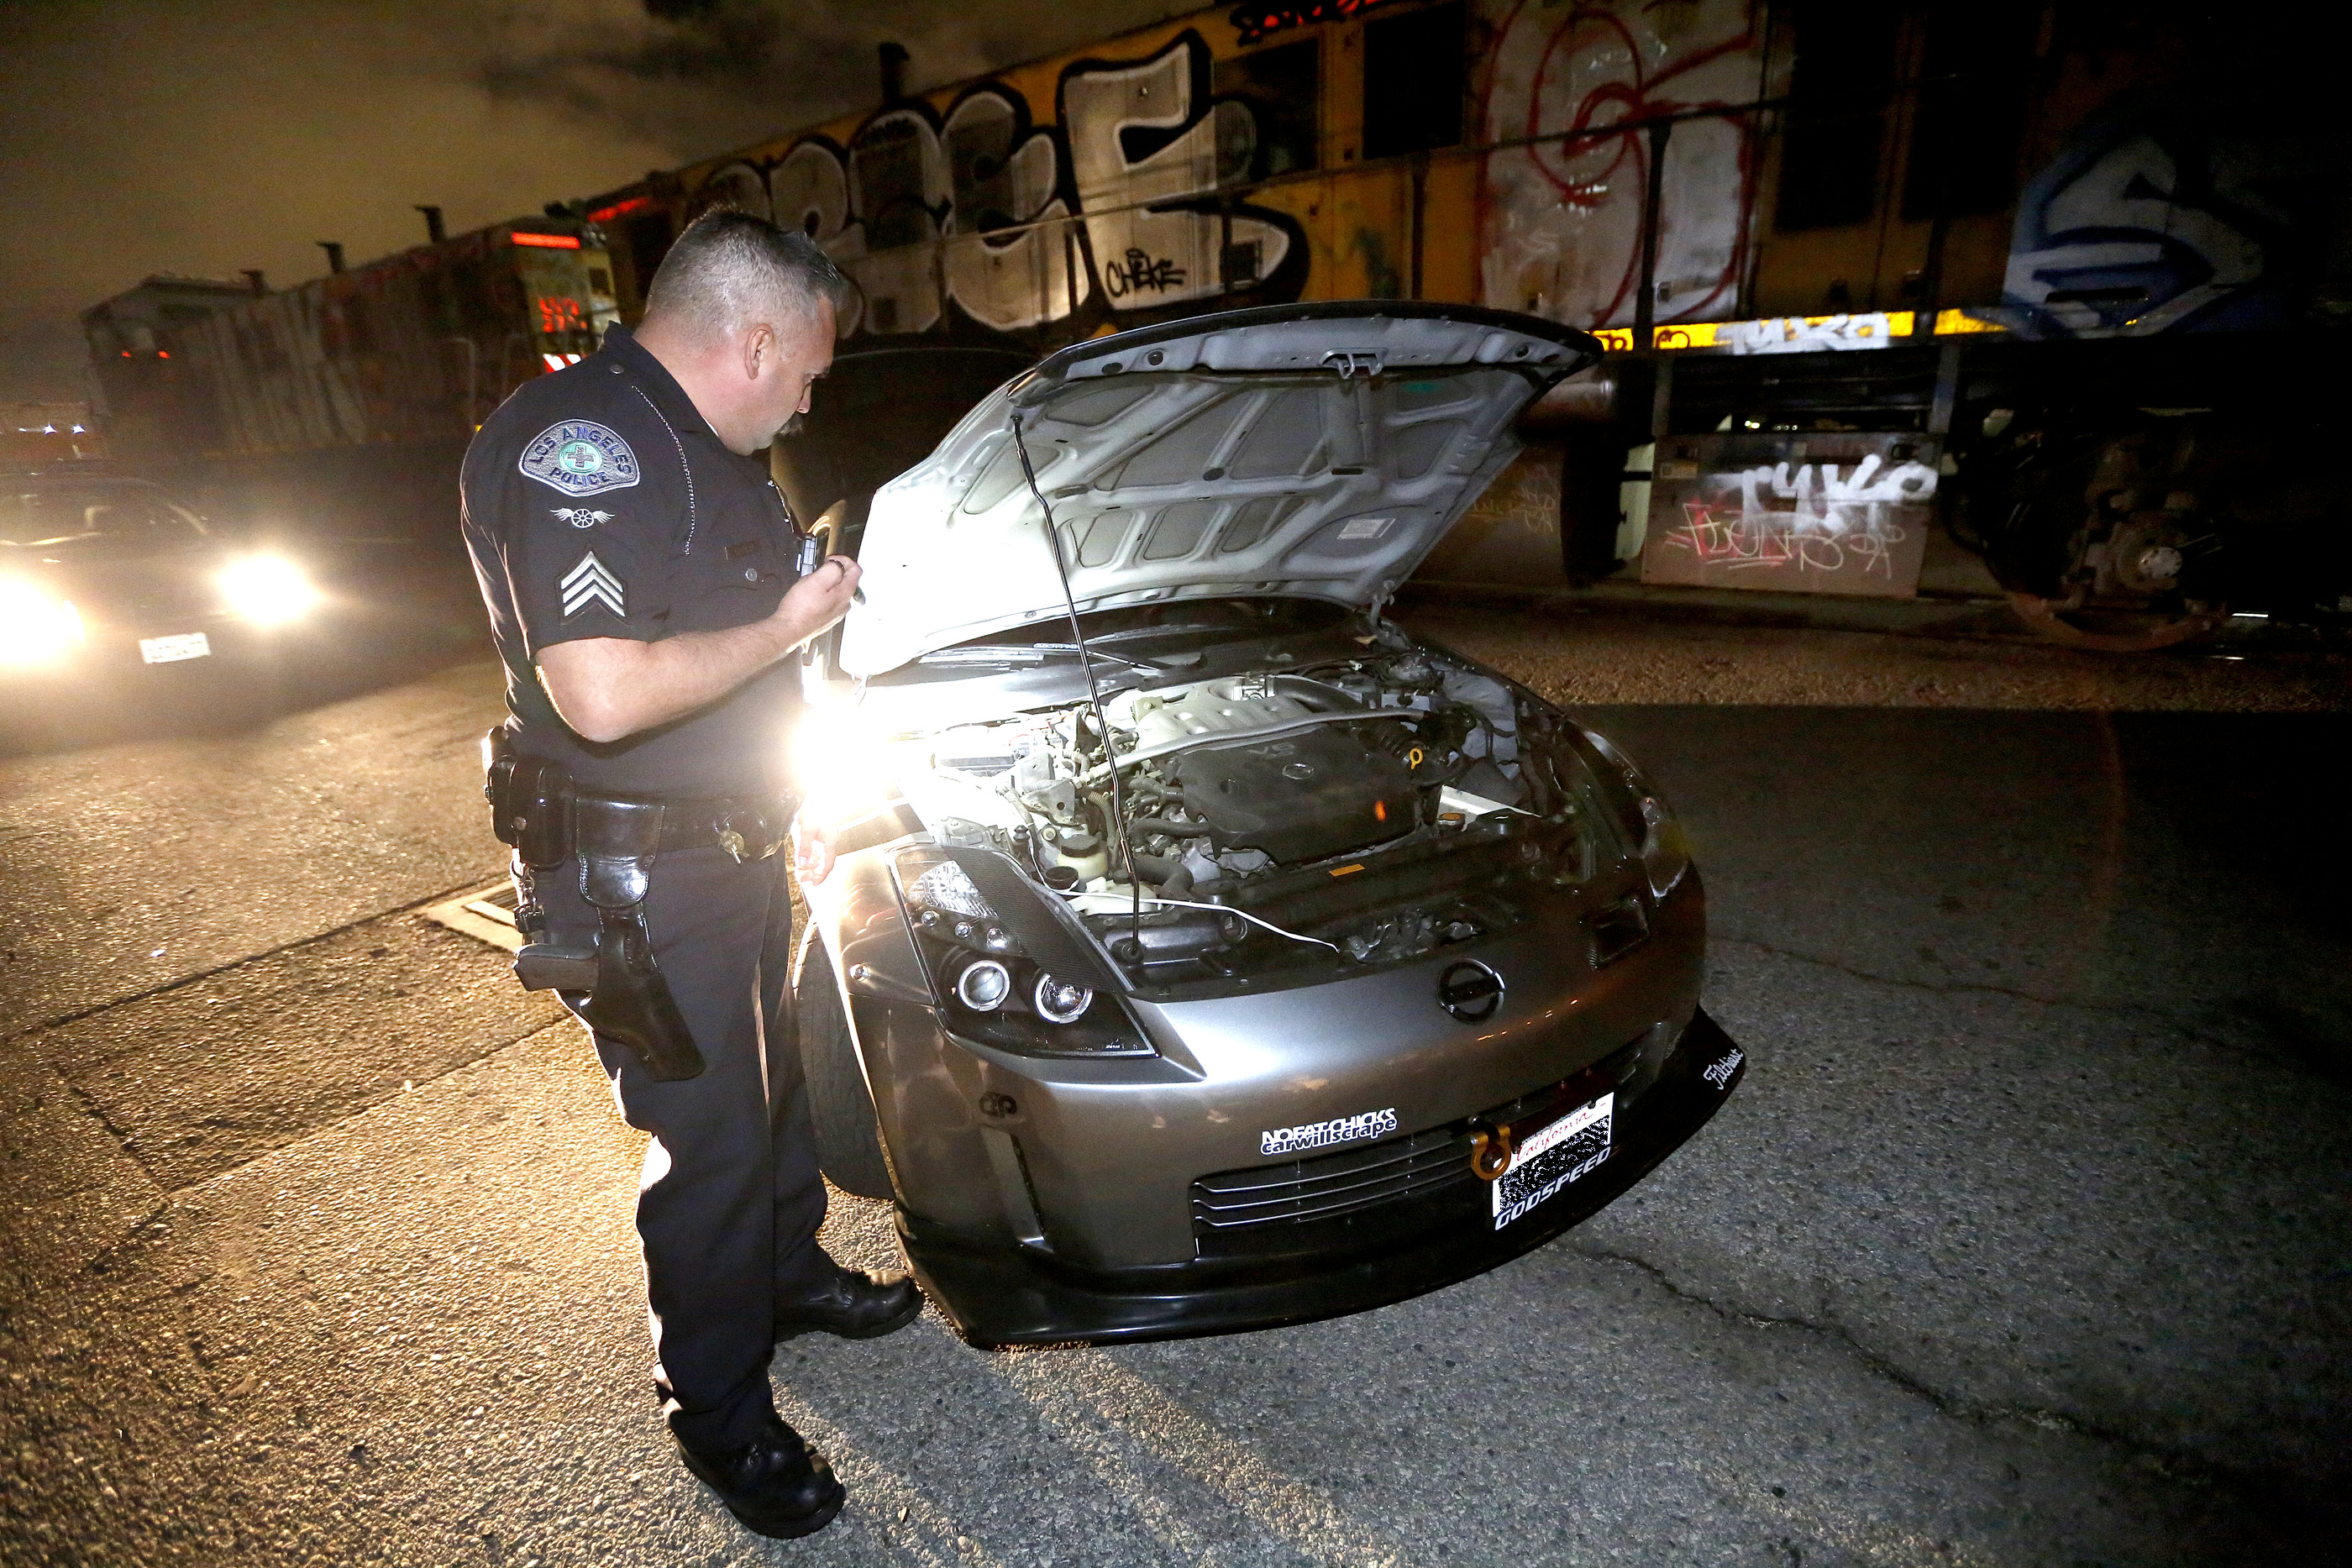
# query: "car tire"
841,1111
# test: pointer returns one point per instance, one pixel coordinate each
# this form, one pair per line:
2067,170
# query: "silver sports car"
1205,951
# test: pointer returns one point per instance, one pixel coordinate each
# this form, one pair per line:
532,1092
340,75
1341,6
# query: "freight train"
2043,278
343,405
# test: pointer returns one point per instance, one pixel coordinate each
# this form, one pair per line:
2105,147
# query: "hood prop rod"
1094,692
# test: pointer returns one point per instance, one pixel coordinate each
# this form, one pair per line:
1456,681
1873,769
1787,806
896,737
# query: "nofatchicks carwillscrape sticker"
578,458
1322,1135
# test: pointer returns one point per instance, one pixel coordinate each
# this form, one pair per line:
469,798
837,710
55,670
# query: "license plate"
184,645
1554,1157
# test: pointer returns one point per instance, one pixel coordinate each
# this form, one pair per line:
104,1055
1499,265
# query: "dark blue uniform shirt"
599,504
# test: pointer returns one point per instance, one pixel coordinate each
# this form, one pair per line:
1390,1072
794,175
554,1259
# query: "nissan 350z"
1205,952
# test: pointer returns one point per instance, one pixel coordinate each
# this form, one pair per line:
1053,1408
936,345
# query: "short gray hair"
731,269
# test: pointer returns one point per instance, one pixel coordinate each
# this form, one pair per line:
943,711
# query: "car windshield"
128,515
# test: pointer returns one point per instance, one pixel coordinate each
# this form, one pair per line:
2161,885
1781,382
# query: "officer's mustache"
791,426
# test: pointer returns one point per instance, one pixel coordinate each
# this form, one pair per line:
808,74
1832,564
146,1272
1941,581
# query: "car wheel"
849,1145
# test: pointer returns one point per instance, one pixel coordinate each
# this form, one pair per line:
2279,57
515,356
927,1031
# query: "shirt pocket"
753,566
736,582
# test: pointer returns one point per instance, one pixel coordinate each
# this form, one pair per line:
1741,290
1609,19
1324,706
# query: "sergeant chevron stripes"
589,581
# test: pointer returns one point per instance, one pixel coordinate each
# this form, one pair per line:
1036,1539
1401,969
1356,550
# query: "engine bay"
1361,812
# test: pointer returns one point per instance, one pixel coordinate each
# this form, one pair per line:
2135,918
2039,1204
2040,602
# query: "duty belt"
613,982
748,827
547,819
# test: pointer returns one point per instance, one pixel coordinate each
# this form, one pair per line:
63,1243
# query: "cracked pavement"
2023,1241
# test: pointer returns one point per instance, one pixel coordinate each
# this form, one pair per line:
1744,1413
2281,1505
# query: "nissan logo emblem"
1470,991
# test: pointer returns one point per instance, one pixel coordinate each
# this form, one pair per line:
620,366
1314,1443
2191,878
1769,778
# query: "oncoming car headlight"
1663,850
35,625
268,590
1012,977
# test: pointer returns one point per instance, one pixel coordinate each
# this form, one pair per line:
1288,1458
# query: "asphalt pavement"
2024,1240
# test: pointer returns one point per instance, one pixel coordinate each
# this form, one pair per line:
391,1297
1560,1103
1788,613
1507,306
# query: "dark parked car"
1245,959
106,578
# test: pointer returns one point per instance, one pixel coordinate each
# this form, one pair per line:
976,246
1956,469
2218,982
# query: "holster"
631,1002
613,984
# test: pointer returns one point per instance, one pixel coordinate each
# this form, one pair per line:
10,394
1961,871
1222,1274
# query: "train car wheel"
2116,631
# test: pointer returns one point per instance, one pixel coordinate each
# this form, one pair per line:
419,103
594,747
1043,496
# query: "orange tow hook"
1490,1151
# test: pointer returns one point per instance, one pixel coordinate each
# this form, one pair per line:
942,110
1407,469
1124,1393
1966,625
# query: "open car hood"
1313,450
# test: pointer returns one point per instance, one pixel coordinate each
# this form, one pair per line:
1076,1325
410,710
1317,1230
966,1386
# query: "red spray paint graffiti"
1560,219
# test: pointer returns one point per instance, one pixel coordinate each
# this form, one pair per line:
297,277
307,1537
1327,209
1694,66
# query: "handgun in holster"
611,983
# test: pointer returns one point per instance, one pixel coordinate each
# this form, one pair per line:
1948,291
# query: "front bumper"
1008,1293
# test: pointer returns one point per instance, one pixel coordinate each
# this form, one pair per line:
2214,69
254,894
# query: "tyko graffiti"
1738,517
1561,218
1013,225
1809,334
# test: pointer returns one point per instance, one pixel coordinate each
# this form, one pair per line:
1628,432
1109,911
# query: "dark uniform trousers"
730,1200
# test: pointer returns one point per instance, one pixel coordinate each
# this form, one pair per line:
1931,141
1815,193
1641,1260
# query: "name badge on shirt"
578,458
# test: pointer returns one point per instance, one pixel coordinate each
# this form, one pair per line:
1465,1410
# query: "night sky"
202,137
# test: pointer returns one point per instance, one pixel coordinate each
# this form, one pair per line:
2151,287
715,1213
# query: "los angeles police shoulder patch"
578,458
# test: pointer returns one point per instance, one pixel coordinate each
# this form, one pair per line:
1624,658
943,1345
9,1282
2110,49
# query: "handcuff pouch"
530,802
616,840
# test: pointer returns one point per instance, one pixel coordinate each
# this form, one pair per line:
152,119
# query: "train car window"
1415,72
432,303
1972,98
482,304
648,240
1284,88
1838,86
358,324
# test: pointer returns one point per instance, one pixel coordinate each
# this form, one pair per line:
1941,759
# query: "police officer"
640,569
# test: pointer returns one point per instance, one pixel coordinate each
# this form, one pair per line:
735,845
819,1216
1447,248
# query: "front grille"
1354,1197
1379,1194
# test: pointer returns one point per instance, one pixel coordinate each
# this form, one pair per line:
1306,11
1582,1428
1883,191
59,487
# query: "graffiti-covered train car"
2036,268
345,402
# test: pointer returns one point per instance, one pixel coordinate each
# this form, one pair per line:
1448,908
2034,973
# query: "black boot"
852,1304
776,1484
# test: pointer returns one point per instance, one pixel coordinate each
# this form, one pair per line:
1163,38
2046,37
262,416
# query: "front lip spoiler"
1000,1294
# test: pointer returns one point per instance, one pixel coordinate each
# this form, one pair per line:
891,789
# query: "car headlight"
268,590
1015,978
1663,850
37,627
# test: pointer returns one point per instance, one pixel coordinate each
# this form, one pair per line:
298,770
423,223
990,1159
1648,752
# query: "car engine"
1374,808
1232,778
